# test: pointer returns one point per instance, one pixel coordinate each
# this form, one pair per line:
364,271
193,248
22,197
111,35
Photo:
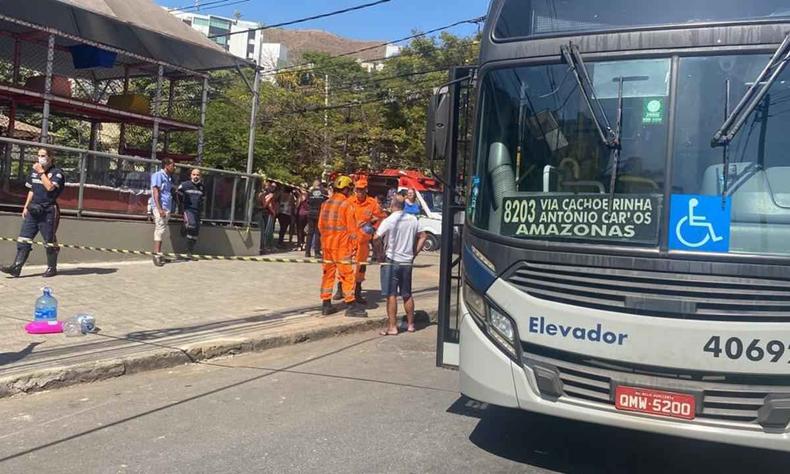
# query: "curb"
161,358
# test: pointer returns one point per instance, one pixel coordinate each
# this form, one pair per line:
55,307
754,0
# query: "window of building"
197,21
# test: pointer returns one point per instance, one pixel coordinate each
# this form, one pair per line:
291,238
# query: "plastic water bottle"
87,323
79,325
71,327
46,306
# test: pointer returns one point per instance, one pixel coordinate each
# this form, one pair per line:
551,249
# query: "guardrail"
118,186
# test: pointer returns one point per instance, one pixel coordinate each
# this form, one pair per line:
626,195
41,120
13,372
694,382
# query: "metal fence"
100,184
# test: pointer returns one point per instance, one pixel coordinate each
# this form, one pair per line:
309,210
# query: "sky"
387,21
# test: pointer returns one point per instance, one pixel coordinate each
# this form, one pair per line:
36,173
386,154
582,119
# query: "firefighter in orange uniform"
339,235
368,214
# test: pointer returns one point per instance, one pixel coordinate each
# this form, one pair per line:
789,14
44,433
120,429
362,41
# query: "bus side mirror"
437,135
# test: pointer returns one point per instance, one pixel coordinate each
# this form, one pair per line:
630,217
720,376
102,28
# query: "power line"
368,48
224,5
353,85
412,96
198,6
303,20
315,68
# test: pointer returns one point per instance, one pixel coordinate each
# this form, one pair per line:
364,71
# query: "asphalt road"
360,403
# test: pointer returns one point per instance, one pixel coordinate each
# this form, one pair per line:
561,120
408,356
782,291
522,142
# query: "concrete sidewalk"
153,317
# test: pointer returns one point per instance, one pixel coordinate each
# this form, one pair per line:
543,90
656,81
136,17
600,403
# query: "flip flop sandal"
410,328
387,333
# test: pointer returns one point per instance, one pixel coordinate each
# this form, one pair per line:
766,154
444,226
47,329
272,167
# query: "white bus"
626,247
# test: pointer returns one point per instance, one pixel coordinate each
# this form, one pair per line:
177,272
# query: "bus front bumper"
488,375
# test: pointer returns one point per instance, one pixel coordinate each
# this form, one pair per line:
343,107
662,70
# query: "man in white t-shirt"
404,242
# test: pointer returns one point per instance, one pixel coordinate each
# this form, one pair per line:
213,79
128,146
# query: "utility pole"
326,127
256,86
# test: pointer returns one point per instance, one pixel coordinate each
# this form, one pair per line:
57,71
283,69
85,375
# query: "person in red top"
368,214
339,235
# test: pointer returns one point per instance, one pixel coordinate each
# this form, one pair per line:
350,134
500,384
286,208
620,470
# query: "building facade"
243,44
389,51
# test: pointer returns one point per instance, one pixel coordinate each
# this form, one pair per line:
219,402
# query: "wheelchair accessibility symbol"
699,223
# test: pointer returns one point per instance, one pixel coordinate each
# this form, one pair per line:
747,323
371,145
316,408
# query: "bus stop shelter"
128,63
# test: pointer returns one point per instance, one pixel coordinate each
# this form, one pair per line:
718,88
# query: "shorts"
396,280
160,225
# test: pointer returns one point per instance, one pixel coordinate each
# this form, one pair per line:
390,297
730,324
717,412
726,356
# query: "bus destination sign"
588,217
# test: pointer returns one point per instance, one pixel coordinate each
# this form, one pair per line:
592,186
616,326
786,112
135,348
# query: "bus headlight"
501,329
502,325
497,325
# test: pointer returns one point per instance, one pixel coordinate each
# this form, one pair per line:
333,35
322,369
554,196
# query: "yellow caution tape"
186,256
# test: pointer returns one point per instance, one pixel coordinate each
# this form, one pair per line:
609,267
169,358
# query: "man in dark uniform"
315,198
41,214
191,194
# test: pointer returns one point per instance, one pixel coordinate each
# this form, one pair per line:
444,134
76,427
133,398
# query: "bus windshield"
542,171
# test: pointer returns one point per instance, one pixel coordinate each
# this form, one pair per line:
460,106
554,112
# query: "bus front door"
448,143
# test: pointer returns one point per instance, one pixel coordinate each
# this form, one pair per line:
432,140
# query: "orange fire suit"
338,242
364,212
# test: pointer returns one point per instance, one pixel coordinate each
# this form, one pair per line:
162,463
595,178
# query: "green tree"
375,119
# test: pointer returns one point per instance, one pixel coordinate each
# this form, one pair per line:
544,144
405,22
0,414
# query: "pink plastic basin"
44,327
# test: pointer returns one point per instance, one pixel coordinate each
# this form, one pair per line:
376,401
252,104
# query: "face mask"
43,161
196,180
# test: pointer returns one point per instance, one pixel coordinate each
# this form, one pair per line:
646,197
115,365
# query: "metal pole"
251,144
326,127
201,136
233,199
157,103
17,61
212,214
170,96
20,172
92,145
253,120
81,191
6,175
47,88
122,133
250,201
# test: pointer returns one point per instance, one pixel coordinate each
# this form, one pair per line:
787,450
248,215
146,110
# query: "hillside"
301,41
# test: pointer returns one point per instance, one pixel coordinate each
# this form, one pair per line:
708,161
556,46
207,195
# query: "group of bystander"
339,225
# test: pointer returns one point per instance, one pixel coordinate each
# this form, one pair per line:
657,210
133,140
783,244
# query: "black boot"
52,262
191,246
355,310
16,269
339,293
358,294
327,308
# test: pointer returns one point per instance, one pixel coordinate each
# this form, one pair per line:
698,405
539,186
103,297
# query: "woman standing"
40,213
285,214
268,213
410,205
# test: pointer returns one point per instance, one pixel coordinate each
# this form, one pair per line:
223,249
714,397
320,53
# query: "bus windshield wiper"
574,59
618,131
751,99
